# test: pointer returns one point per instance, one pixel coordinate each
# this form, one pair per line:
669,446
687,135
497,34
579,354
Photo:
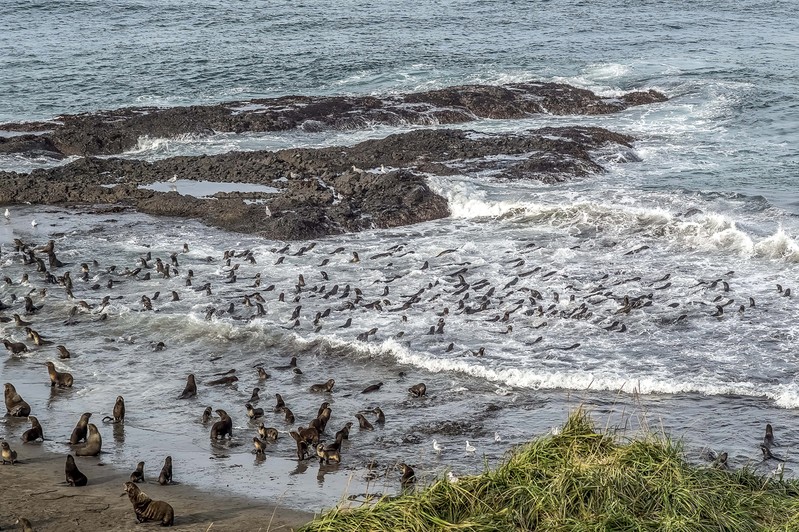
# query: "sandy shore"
35,489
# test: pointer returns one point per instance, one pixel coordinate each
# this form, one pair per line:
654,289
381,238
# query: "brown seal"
119,411
24,524
224,380
363,423
302,447
79,432
324,387
138,475
62,351
94,442
7,454
310,435
73,474
191,387
408,475
289,414
33,433
418,389
253,413
267,433
326,454
280,403
147,509
15,405
222,427
207,414
166,472
62,380
259,445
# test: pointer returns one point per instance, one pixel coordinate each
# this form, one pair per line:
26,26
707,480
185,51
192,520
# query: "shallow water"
709,194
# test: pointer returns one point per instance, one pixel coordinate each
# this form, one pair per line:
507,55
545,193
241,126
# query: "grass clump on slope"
580,479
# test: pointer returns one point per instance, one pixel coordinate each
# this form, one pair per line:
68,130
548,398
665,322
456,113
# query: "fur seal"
15,347
292,364
224,380
73,474
418,390
119,412
62,380
7,454
363,423
258,445
381,417
222,427
33,433
255,397
147,509
302,447
138,475
326,454
289,415
280,403
15,405
262,374
372,388
94,442
324,387
166,472
207,414
408,474
254,413
267,433
79,432
191,388
768,439
24,524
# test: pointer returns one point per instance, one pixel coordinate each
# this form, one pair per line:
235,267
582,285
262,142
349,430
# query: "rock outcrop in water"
375,184
112,132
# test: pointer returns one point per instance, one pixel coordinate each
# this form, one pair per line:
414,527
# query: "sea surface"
710,199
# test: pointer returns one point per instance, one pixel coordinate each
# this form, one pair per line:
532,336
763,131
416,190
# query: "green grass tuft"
582,480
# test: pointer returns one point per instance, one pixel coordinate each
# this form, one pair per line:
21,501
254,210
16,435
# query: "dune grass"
583,480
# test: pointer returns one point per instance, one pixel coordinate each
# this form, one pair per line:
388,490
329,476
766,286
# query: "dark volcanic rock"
321,191
112,132
30,145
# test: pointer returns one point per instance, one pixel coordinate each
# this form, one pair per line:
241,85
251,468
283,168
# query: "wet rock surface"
375,184
112,132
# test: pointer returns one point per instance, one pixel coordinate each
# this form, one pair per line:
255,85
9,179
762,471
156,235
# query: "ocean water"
714,199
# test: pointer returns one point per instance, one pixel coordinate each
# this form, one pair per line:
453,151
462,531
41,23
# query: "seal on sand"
7,454
62,380
33,433
79,432
165,477
73,474
147,509
138,475
15,405
94,442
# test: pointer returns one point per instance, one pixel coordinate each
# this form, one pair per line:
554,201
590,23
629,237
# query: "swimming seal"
79,432
73,474
418,390
372,388
768,439
254,398
363,423
254,413
324,387
15,405
7,454
302,447
326,454
138,475
62,380
119,412
222,427
280,403
33,433
289,414
94,442
267,433
191,388
224,380
207,415
165,477
259,446
147,509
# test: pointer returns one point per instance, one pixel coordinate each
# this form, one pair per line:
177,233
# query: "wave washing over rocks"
374,184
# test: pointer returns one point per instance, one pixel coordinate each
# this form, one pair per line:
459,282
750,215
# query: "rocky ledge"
113,132
375,184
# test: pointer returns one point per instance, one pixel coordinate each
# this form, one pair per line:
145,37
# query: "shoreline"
35,489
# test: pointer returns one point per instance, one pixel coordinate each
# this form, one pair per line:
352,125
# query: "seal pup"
207,415
289,415
324,387
15,347
224,380
254,413
254,398
191,387
7,454
381,417
408,474
267,433
418,390
344,433
280,403
165,477
147,509
79,432
363,423
222,427
24,524
326,454
94,442
33,433
15,405
119,412
291,365
302,447
372,388
73,474
768,439
62,380
138,475
262,374
258,445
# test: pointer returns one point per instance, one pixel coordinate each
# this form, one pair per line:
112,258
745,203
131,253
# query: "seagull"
34,223
470,448
173,179
437,447
268,211
8,214
452,478
497,437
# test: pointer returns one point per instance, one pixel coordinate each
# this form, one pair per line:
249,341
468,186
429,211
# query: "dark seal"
147,509
73,474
